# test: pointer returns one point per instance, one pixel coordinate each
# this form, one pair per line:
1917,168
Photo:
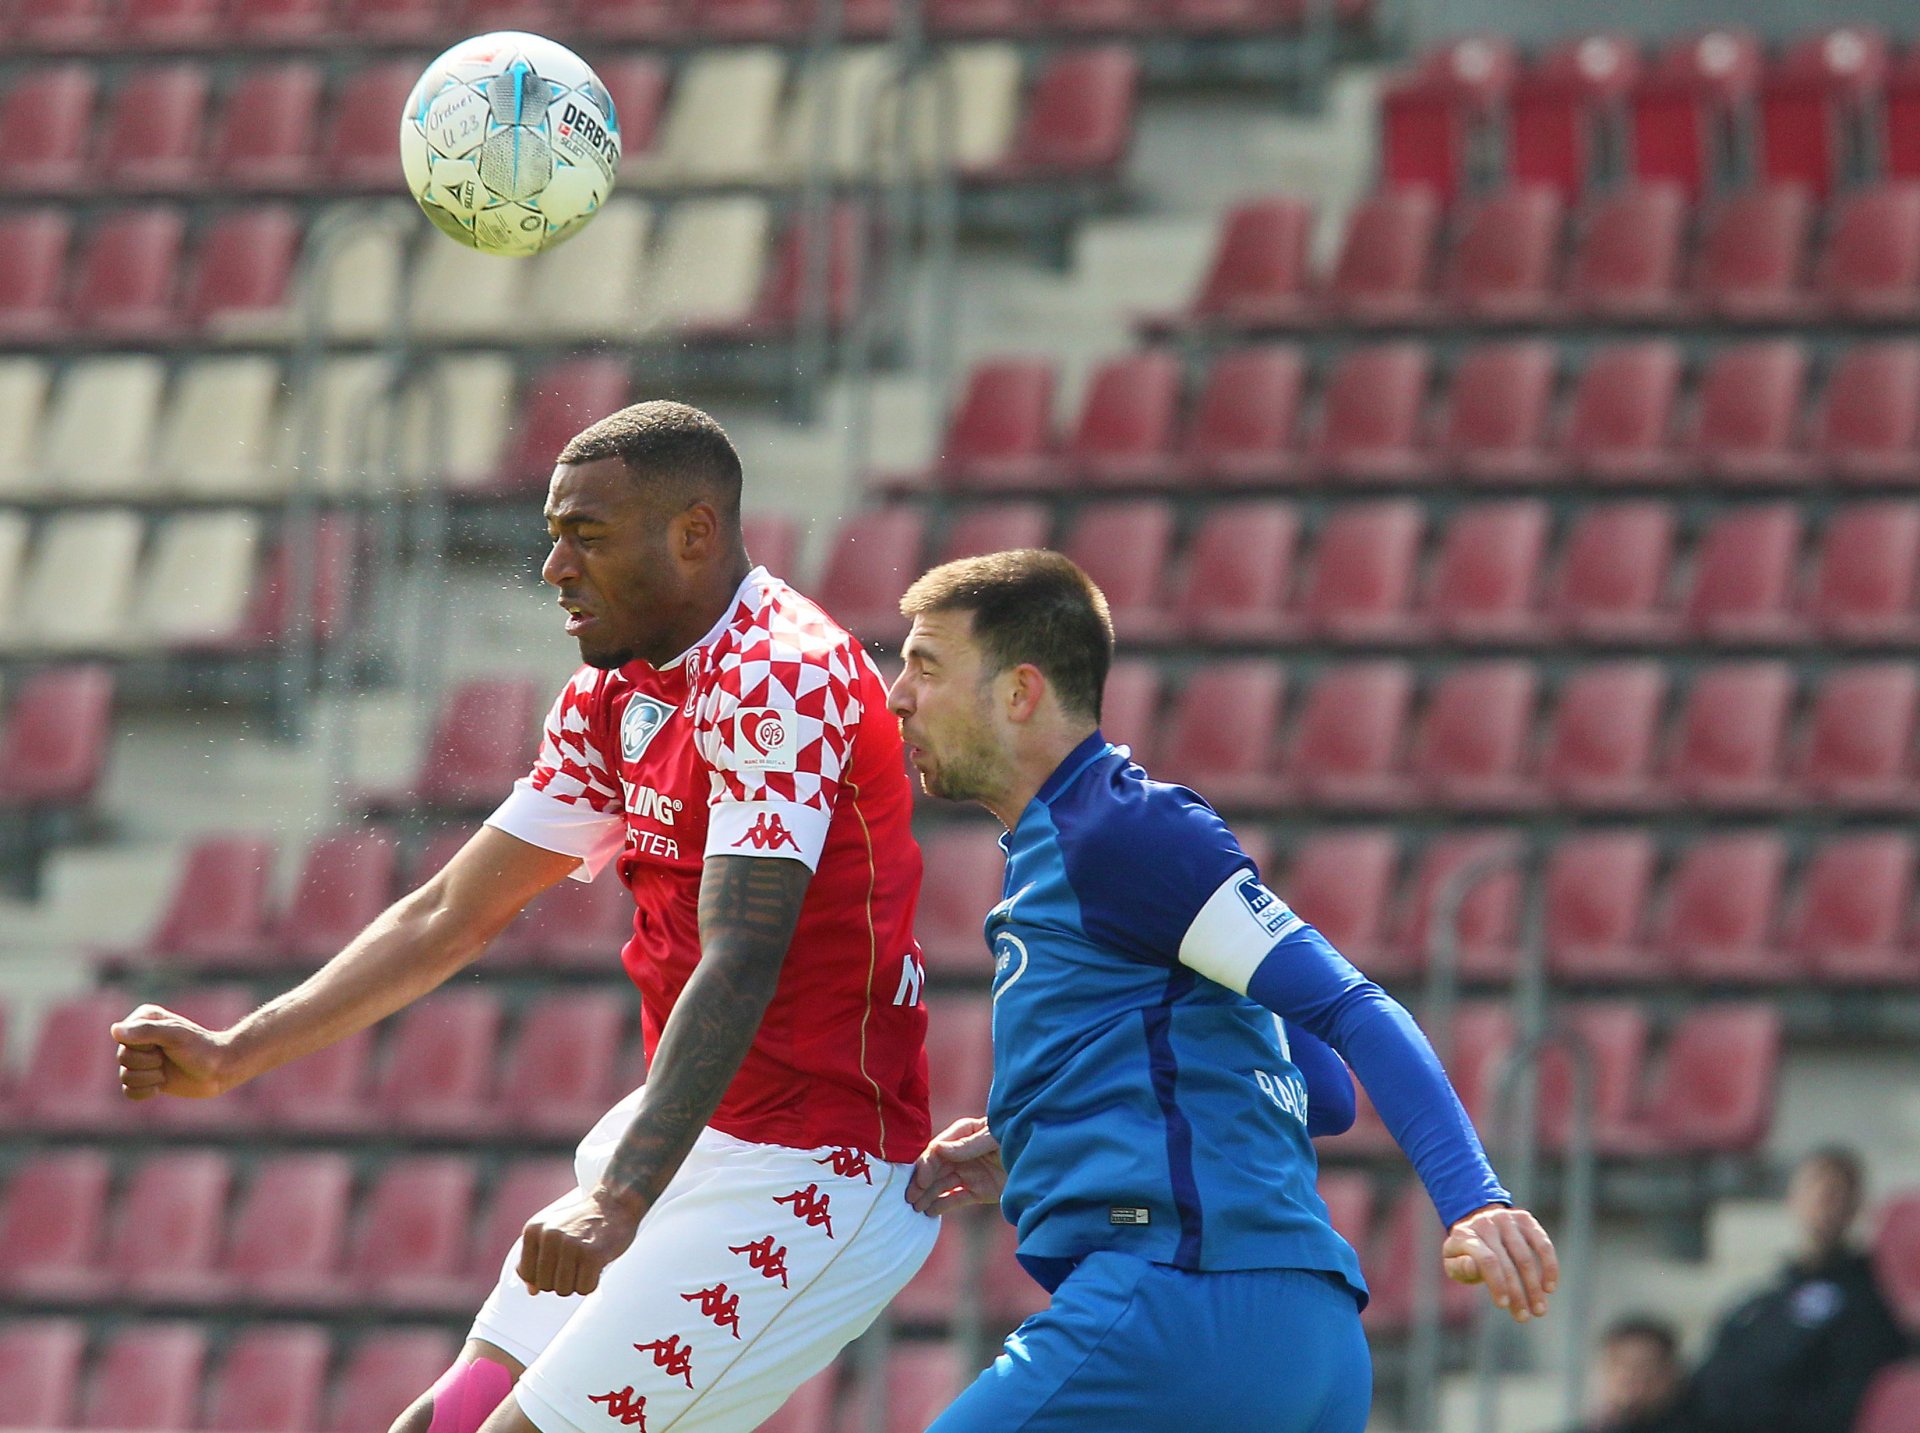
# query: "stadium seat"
1748,414
152,136
345,881
1753,253
1487,918
1223,733
172,23
1371,409
1129,704
1428,122
1867,574
1680,106
358,147
1346,745
99,432
809,1409
270,1380
1348,1195
288,1233
1494,425
1000,527
15,527
525,1188
1392,1268
772,541
1866,426
1243,423
53,750
830,121
216,438
46,124
33,262
1486,577
324,1092
1722,901
934,1294
1595,914
1504,261
1627,261
23,400
1342,882
1715,1090
409,1243
1563,109
361,289
637,83
721,119
330,548
242,275
575,926
1846,922
875,555
1384,270
1812,98
788,300
40,1370
959,1055
1239,573
707,268
964,113
919,1380
281,22
483,740
1621,412
1859,746
1001,430
978,17
1362,575
147,1377
562,400
197,580
1126,428
385,1372
1743,575
1900,108
561,1072
1610,1036
1896,1267
1078,119
1599,746
440,1061
461,293
1124,547
72,1082
168,1226
1870,266
1890,1398
1258,273
128,280
1472,744
1727,743
952,907
59,24
54,1220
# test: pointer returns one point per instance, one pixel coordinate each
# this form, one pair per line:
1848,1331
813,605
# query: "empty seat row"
1248,574
1709,107
1629,417
55,737
1506,259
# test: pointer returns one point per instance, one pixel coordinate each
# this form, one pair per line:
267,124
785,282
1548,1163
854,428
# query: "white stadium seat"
339,416
16,530
589,286
851,89
99,435
462,445
77,592
980,107
707,263
218,437
23,399
198,578
720,120
462,293
361,287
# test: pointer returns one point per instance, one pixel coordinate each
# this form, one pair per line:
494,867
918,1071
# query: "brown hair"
1028,605
665,442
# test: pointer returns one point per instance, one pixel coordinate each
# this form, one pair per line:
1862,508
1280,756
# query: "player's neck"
1034,761
702,614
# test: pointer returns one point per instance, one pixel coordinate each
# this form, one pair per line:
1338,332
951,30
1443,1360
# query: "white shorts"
756,1267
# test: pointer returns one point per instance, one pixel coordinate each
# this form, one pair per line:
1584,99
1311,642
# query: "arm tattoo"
748,907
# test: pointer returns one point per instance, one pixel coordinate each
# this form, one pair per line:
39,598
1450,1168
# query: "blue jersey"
1142,1095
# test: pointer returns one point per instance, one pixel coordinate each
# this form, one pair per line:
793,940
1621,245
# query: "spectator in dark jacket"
1797,1356
1639,1384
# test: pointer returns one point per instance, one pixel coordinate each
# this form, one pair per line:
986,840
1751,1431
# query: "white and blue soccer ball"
510,143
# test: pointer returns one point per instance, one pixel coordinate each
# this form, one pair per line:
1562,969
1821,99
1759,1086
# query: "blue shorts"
1134,1347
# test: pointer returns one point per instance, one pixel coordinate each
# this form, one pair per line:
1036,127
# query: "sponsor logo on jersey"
1009,962
768,833
640,725
764,740
650,805
1263,905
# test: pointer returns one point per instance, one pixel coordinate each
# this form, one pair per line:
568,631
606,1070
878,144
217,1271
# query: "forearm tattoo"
748,907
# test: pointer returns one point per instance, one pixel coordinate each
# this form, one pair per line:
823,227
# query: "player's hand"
1508,1251
961,1167
566,1245
162,1053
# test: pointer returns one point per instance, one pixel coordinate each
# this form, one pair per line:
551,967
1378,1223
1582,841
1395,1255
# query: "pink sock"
466,1394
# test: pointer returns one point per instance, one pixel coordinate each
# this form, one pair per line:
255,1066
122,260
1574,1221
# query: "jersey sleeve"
570,801
775,726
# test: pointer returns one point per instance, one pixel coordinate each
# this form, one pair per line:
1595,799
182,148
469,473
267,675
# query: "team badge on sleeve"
764,739
1264,906
640,724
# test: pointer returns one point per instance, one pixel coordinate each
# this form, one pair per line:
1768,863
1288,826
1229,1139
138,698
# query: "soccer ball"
509,142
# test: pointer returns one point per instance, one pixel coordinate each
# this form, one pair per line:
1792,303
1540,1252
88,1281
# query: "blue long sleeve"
1330,1101
1308,983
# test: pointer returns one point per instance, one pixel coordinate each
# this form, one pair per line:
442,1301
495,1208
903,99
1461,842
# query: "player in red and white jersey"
728,748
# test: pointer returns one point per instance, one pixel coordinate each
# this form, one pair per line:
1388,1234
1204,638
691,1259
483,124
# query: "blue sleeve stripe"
1165,1067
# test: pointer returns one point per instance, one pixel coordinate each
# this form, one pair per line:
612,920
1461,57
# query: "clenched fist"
162,1053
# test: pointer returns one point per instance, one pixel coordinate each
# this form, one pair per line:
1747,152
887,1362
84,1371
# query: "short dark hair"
1843,1161
665,441
1029,605
1644,1326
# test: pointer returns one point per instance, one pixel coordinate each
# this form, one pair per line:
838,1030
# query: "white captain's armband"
1235,929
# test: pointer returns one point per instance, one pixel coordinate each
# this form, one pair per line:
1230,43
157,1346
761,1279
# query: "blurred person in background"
1640,1386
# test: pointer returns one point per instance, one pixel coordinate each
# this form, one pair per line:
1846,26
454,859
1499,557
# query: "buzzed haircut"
668,443
1028,605
1654,1330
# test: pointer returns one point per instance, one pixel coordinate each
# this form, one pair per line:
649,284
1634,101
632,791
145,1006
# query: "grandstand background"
1500,441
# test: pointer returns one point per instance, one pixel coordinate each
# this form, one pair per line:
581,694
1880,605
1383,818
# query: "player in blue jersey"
1146,1132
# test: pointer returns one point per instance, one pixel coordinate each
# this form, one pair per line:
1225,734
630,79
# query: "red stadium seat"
1868,573
1125,433
1716,1087
1812,98
1559,111
1002,429
386,1371
1891,1397
72,1081
1371,411
539,17
1622,411
1859,749
1473,740
1008,1293
1866,426
1386,259
527,1187
289,1231
53,1222
643,21
1392,1268
1727,745
1597,886
1600,740
1505,260
1342,882
129,276
578,926
959,1055
921,1379
483,739
1347,742
1486,923
1896,1268
358,145
1002,527
1244,421
998,18
170,1219
1743,574
1259,270
1717,923
172,23
270,1381
1486,579
1853,902
1078,120
218,914
346,880
1614,569
332,547
1426,133
1224,730
1363,570
1240,573
33,262
952,908
153,130
46,123
1348,1195
1627,262
562,1071
1748,413
281,22
1753,252
1241,17
409,1244
637,84
63,24
1870,267
1898,139
243,270
875,556
1129,704
1681,105
322,1092
1123,547
40,1370
1612,1037
772,541
440,1062
564,398
1494,425
268,128
783,303
1103,17
147,1377
53,750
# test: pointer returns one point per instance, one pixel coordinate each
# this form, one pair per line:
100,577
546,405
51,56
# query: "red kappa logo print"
811,1205
623,1406
720,1306
769,1262
670,1355
769,833
847,1163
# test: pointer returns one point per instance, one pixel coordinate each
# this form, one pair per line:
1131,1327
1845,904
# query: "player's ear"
1026,690
696,531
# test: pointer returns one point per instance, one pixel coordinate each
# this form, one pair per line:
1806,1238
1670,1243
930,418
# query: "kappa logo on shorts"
623,1407
764,740
669,1355
719,1305
764,1259
811,1205
847,1163
640,724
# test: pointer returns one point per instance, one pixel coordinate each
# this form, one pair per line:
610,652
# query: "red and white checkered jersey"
770,737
